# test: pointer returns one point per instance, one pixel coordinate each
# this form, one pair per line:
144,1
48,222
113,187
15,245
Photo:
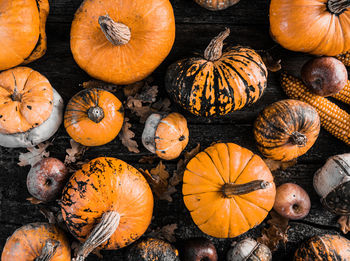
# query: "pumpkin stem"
232,189
338,6
298,139
214,49
48,250
15,96
116,33
101,233
96,114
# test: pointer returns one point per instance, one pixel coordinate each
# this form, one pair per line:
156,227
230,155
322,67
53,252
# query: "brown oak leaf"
162,105
101,85
276,165
166,233
158,179
75,152
34,154
126,136
276,233
344,222
148,159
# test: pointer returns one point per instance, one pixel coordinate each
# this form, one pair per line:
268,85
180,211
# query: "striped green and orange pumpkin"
218,83
286,129
107,204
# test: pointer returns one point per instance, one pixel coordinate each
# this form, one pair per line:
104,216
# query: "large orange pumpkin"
22,30
228,190
107,203
320,27
37,241
93,117
122,41
219,82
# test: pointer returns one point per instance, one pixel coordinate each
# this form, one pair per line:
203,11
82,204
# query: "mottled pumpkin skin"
309,26
22,30
275,125
27,242
87,132
326,247
216,5
171,136
34,103
204,178
152,26
107,184
207,88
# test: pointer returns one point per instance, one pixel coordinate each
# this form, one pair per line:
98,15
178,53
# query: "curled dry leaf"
34,201
276,165
276,233
34,154
148,159
134,88
75,152
158,179
162,105
166,233
344,222
49,215
126,136
272,64
101,85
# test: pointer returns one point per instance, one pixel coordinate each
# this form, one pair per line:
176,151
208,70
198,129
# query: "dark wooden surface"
195,26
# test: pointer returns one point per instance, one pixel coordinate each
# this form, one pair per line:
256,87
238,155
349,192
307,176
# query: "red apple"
292,201
46,179
197,249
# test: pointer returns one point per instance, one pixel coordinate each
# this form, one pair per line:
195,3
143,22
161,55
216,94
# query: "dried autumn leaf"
276,233
34,155
148,159
162,105
101,85
276,165
134,88
166,233
272,64
344,222
49,215
158,179
75,152
34,201
126,136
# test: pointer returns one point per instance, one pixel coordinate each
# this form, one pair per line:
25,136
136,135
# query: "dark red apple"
292,201
46,179
198,249
324,76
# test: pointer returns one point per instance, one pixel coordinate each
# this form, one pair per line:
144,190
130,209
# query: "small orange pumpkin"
22,30
107,203
167,136
122,41
37,241
216,5
326,247
228,190
286,129
93,117
30,109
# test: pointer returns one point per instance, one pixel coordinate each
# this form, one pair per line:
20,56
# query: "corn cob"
344,94
344,58
333,119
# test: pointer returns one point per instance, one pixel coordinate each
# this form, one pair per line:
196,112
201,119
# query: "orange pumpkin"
216,5
228,190
93,117
122,41
37,241
326,247
107,203
320,27
30,109
167,136
22,30
286,129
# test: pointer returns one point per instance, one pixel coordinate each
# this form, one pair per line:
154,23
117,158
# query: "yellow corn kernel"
344,94
344,58
333,119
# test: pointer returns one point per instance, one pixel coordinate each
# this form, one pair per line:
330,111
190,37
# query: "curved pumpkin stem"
232,189
101,233
338,6
48,250
214,49
116,33
16,96
298,139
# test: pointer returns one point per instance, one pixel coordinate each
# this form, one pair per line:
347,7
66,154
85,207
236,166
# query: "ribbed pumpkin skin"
35,104
309,26
204,178
27,242
171,136
20,29
326,247
87,132
152,26
216,5
107,184
274,128
207,88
